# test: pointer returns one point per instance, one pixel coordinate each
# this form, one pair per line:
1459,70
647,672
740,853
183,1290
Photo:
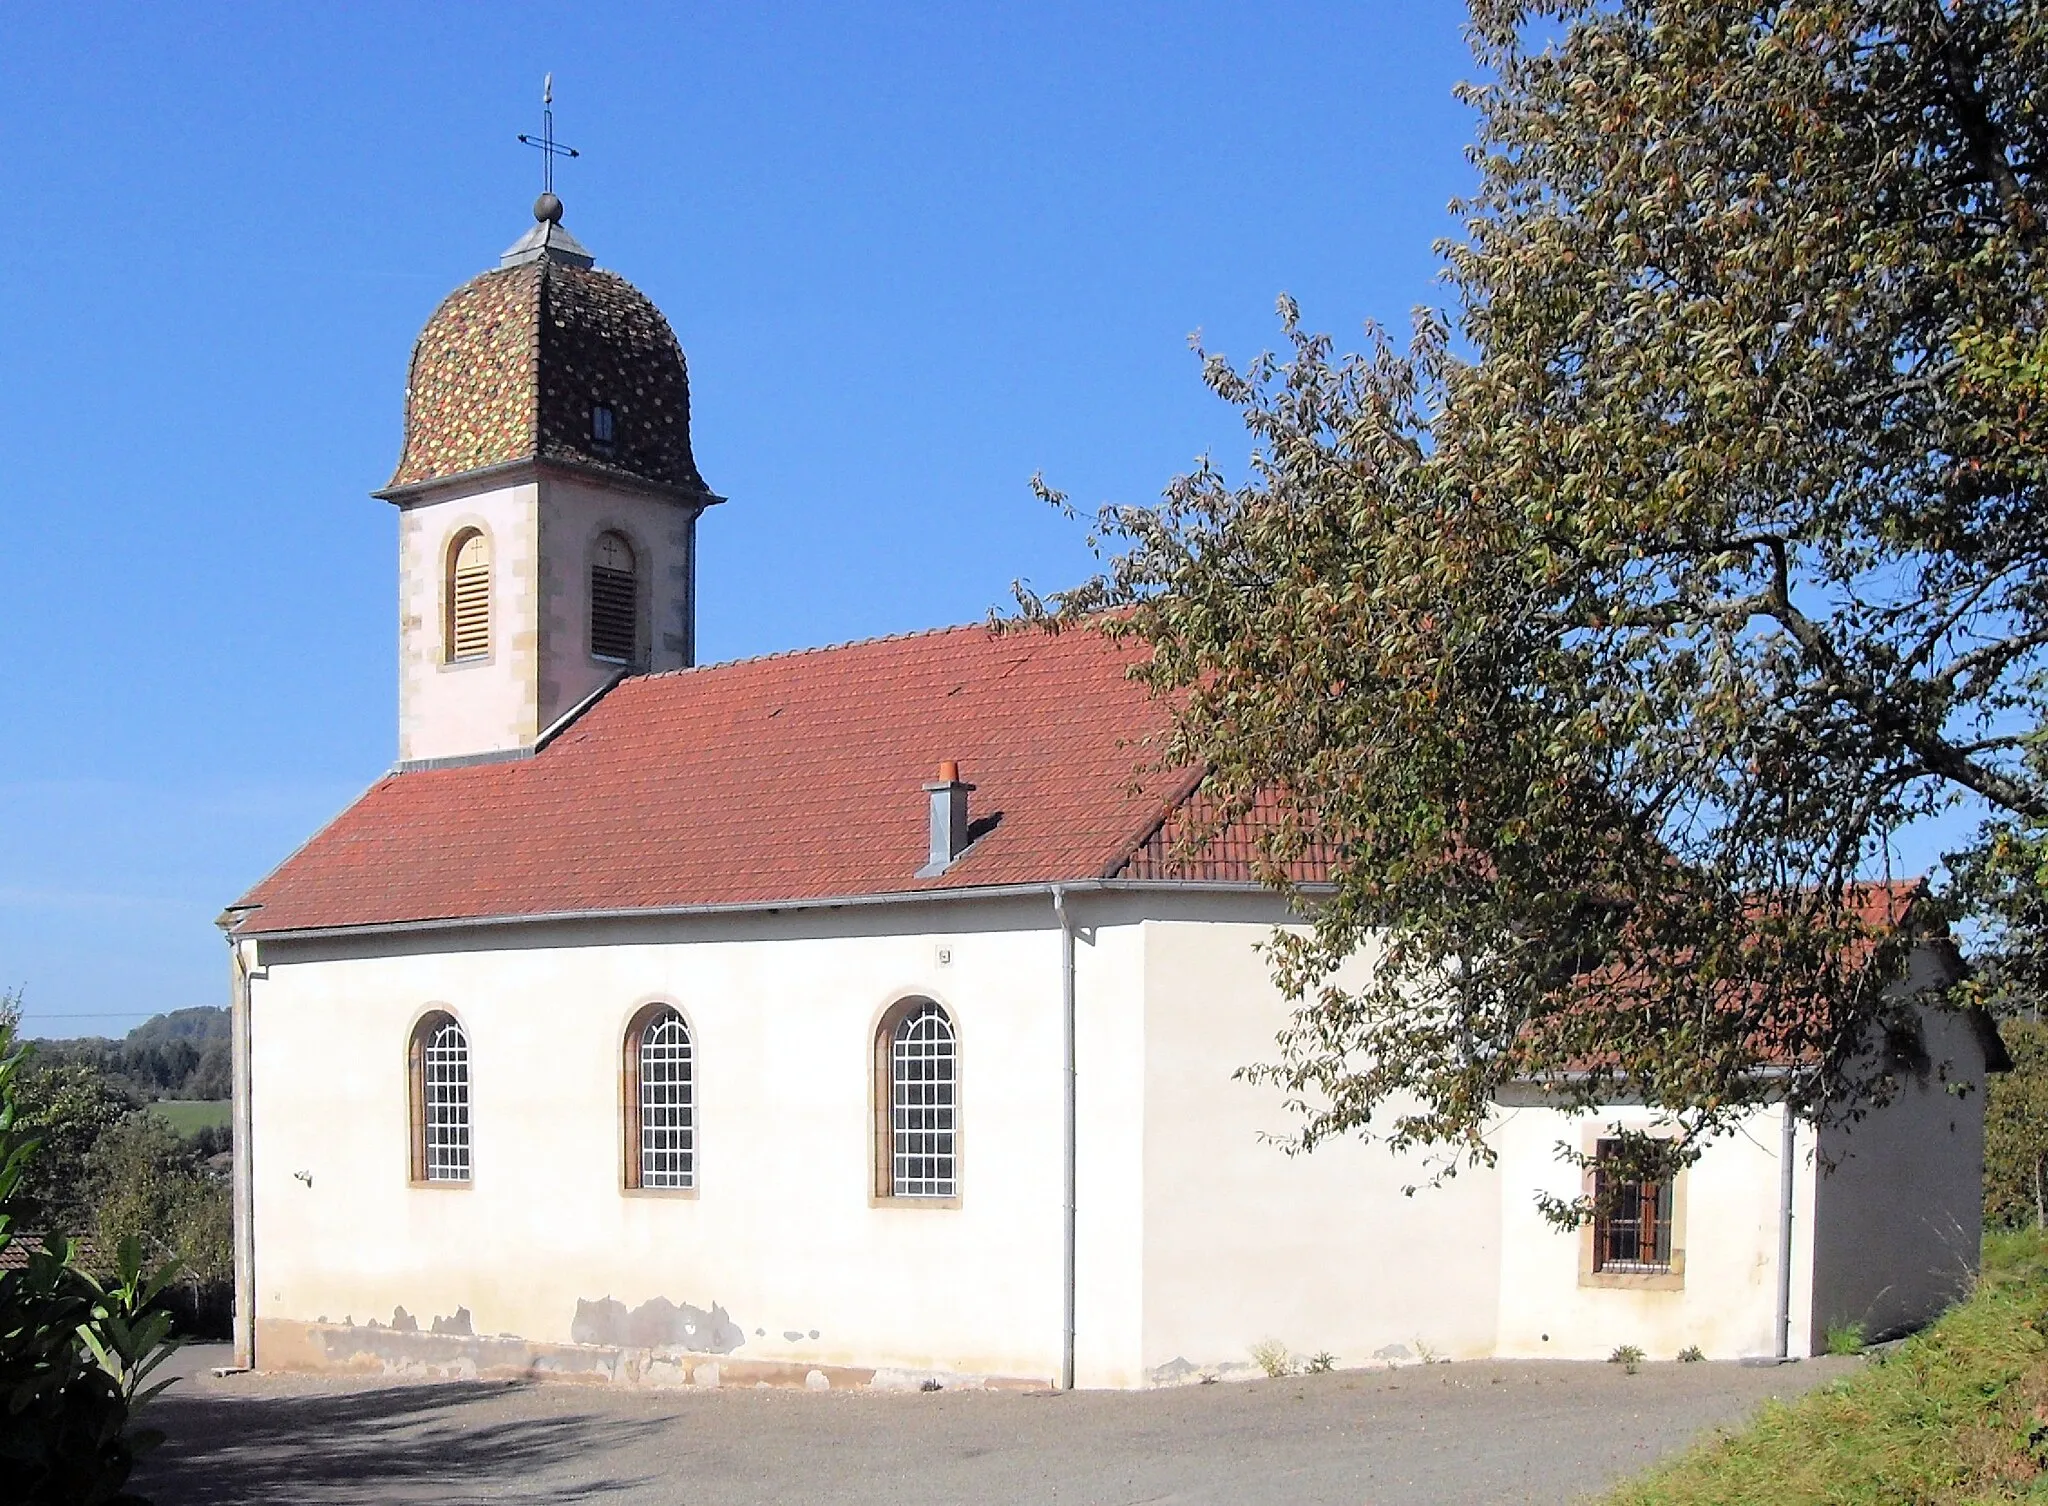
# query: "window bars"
469,599
1631,1222
668,1133
921,1104
444,1105
614,601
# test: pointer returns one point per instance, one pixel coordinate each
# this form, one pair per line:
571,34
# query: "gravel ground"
1489,1431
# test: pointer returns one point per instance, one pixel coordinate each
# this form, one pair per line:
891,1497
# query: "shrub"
1322,1362
1628,1356
1272,1356
1692,1354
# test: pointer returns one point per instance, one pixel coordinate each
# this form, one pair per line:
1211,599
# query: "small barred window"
922,1104
662,1149
602,424
469,597
440,1101
614,601
1631,1218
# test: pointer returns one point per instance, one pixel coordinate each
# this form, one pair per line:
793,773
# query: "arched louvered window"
469,596
661,1101
917,1091
614,600
439,1069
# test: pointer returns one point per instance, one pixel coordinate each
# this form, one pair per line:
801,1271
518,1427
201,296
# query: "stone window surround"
1672,1280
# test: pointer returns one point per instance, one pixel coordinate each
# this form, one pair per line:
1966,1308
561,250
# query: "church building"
845,1017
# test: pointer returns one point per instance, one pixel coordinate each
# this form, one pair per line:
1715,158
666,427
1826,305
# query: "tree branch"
1987,146
1935,752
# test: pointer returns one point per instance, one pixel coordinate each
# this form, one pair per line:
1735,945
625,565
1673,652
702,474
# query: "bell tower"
547,502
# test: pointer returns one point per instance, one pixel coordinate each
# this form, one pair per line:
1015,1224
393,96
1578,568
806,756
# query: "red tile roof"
797,777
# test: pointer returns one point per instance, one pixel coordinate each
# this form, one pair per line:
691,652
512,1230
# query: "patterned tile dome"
547,358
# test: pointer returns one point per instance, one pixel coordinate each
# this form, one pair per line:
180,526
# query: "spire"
547,240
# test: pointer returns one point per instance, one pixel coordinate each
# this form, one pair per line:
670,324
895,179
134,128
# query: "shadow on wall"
396,1444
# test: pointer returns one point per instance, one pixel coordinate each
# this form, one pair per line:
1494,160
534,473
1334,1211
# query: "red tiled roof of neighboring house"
796,777
1190,843
23,1245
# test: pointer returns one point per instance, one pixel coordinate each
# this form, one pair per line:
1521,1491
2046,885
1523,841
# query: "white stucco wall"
1243,1243
1196,1236
1727,1227
782,1232
1901,1194
479,705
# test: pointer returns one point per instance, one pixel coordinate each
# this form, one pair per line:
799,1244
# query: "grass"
1956,1416
1845,1338
188,1116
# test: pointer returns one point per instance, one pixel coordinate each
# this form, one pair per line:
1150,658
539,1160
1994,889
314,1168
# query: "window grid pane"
445,1084
921,1105
668,1139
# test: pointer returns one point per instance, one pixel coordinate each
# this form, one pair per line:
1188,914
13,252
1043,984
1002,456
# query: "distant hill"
199,1025
182,1054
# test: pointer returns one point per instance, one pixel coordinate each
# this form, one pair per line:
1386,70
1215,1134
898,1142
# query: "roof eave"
532,467
953,893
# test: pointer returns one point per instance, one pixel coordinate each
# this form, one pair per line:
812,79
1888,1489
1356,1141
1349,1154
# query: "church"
850,1017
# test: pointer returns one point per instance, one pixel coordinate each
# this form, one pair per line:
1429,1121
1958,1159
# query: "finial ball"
548,209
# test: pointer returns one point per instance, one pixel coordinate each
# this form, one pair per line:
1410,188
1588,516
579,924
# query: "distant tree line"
183,1054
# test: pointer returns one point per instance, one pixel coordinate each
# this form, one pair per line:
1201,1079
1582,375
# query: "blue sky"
914,254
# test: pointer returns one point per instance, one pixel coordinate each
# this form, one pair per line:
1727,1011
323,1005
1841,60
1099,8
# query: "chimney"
949,819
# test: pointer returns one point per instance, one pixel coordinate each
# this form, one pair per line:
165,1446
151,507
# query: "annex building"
844,1018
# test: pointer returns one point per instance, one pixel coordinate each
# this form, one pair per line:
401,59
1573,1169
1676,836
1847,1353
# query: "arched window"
661,1101
614,600
439,1063
469,596
917,1081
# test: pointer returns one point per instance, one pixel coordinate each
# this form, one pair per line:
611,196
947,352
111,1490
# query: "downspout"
1788,1144
1068,1122
244,1151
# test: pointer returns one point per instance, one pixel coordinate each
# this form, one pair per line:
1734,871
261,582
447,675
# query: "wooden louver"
613,601
469,600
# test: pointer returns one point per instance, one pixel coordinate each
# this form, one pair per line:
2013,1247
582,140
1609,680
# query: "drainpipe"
1067,1252
244,1151
1788,1145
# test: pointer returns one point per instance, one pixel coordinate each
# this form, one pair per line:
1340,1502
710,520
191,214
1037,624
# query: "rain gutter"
763,907
1069,1278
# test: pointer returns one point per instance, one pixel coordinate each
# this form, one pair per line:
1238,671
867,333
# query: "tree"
147,1183
75,1354
2016,1132
2001,882
67,1106
1606,657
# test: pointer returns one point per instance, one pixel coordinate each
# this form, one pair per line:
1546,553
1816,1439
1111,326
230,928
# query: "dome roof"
516,364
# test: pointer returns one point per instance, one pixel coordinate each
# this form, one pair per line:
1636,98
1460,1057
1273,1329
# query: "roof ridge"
819,648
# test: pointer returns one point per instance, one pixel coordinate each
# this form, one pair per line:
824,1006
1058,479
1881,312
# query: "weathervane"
545,142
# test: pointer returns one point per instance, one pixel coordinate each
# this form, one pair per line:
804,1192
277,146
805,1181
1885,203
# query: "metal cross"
549,147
